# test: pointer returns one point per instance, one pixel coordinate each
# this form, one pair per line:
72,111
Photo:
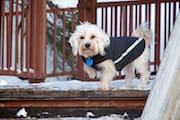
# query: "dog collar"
94,60
89,62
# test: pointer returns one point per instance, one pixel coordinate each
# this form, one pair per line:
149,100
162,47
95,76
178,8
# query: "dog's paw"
126,87
103,87
141,85
92,75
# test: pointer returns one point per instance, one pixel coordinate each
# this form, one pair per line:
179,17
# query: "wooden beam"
32,93
23,97
118,103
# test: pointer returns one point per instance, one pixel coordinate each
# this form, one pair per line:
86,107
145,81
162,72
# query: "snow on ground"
89,116
54,84
109,117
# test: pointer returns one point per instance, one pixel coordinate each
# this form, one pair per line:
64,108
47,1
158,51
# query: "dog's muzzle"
87,45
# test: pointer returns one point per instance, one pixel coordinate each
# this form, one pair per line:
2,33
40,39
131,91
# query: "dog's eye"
81,37
92,36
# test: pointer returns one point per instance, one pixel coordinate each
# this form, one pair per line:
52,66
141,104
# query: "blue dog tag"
89,62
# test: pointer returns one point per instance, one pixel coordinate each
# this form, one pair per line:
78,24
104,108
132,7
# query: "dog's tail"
144,32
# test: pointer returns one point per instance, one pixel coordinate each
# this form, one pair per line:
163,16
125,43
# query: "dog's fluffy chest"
121,51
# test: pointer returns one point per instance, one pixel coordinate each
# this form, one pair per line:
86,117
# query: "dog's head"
88,40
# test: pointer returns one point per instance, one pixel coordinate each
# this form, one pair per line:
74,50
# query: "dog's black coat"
117,47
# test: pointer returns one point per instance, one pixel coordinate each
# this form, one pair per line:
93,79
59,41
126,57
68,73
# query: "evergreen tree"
63,32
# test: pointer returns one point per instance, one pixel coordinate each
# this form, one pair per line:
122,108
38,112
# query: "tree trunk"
164,99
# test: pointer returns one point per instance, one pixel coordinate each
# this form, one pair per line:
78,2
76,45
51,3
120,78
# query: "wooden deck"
11,99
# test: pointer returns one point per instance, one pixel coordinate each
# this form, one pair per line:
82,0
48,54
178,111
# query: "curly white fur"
89,40
89,33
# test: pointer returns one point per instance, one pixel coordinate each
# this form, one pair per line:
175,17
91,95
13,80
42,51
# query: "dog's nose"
87,45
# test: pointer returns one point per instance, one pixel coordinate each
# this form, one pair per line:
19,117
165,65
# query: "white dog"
109,55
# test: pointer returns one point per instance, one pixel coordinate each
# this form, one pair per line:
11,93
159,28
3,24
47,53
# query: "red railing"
23,38
128,15
15,39
34,39
60,23
121,18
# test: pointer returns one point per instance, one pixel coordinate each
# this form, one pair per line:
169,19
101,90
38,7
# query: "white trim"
128,50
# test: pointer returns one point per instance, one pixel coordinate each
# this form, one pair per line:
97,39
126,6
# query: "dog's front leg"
108,72
90,71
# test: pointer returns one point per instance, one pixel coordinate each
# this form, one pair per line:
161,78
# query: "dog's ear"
74,44
106,39
103,42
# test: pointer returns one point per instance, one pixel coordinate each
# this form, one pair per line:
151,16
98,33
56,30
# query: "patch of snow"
65,3
21,113
125,115
85,85
90,114
24,69
12,81
65,85
31,70
5,68
3,82
12,68
18,71
109,117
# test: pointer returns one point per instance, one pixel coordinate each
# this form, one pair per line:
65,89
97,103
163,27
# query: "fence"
23,38
121,18
60,25
15,36
25,26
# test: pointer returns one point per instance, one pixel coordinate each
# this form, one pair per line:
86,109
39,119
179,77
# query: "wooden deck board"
23,93
22,97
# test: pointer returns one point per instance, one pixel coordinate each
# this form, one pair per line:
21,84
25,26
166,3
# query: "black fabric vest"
117,47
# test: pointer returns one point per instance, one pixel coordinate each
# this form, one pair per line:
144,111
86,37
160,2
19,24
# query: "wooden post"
87,12
164,99
38,40
157,31
1,10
